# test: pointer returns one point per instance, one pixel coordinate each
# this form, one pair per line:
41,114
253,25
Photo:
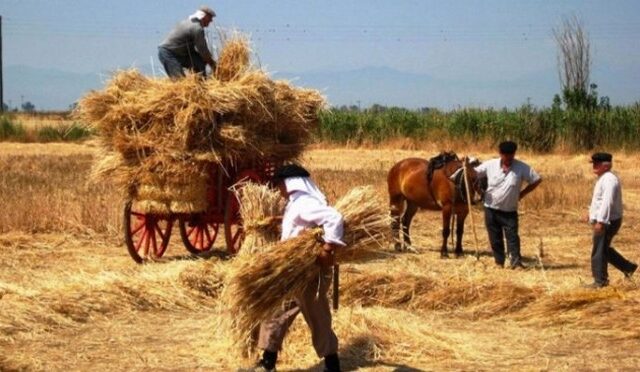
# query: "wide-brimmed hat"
290,171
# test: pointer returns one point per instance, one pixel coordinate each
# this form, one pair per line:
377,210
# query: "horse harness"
439,161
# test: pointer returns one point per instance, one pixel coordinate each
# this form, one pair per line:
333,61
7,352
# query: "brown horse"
417,183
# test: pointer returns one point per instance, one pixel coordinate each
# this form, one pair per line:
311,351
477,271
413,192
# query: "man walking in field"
186,47
504,178
605,216
306,208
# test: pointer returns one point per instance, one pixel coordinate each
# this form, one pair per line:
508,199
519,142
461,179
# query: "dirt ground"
72,299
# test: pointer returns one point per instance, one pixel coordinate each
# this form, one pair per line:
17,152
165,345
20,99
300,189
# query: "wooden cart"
147,235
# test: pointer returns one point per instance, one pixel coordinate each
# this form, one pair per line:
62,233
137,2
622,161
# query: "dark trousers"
174,64
501,225
603,253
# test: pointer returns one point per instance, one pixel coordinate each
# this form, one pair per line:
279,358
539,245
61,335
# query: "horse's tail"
394,186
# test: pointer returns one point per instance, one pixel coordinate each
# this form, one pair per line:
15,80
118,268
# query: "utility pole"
1,81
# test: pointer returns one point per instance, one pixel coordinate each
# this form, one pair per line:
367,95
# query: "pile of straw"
261,209
164,133
258,284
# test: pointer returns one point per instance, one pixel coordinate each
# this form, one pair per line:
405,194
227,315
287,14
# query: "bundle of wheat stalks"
164,133
259,283
260,208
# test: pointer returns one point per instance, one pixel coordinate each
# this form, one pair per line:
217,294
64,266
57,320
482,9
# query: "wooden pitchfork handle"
336,286
473,223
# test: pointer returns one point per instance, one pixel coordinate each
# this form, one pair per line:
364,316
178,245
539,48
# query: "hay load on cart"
175,147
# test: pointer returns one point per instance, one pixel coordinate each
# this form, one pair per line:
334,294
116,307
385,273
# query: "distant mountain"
366,86
51,89
396,88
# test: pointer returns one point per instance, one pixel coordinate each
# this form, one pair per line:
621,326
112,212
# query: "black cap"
601,157
508,147
289,171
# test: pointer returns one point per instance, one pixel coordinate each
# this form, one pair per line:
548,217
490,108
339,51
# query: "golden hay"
260,207
234,59
192,191
160,321
206,278
80,296
394,287
240,117
260,283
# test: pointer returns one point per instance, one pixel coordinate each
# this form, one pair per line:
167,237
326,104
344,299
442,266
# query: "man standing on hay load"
605,215
306,208
186,46
504,178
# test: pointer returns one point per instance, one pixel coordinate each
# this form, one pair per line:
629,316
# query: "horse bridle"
458,184
460,187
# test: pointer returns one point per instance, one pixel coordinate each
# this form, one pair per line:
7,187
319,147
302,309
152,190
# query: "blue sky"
478,44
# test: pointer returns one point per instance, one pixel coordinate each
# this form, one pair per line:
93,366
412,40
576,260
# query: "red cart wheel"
198,235
146,235
233,230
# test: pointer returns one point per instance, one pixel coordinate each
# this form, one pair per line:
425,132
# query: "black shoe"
500,265
266,364
332,363
596,285
518,266
630,273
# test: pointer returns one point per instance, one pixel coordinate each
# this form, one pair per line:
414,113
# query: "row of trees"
26,107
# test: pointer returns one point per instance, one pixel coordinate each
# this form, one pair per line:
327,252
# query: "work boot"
596,285
629,274
266,364
331,363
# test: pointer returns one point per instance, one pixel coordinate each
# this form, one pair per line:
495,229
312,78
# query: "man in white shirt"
504,178
306,208
605,215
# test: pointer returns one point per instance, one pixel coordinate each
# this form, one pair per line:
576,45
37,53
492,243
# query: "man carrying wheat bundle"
186,46
306,208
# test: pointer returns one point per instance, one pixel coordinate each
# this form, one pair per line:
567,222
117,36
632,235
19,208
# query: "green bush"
77,132
62,133
10,130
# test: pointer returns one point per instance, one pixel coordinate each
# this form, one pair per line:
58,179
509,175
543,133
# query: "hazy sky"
473,40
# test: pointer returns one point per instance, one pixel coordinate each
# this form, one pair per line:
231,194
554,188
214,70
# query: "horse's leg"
396,207
462,215
446,230
411,210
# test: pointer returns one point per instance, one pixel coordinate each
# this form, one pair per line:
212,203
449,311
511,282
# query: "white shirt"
306,211
606,203
503,191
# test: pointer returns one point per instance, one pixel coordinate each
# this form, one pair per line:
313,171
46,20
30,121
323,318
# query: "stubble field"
72,299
